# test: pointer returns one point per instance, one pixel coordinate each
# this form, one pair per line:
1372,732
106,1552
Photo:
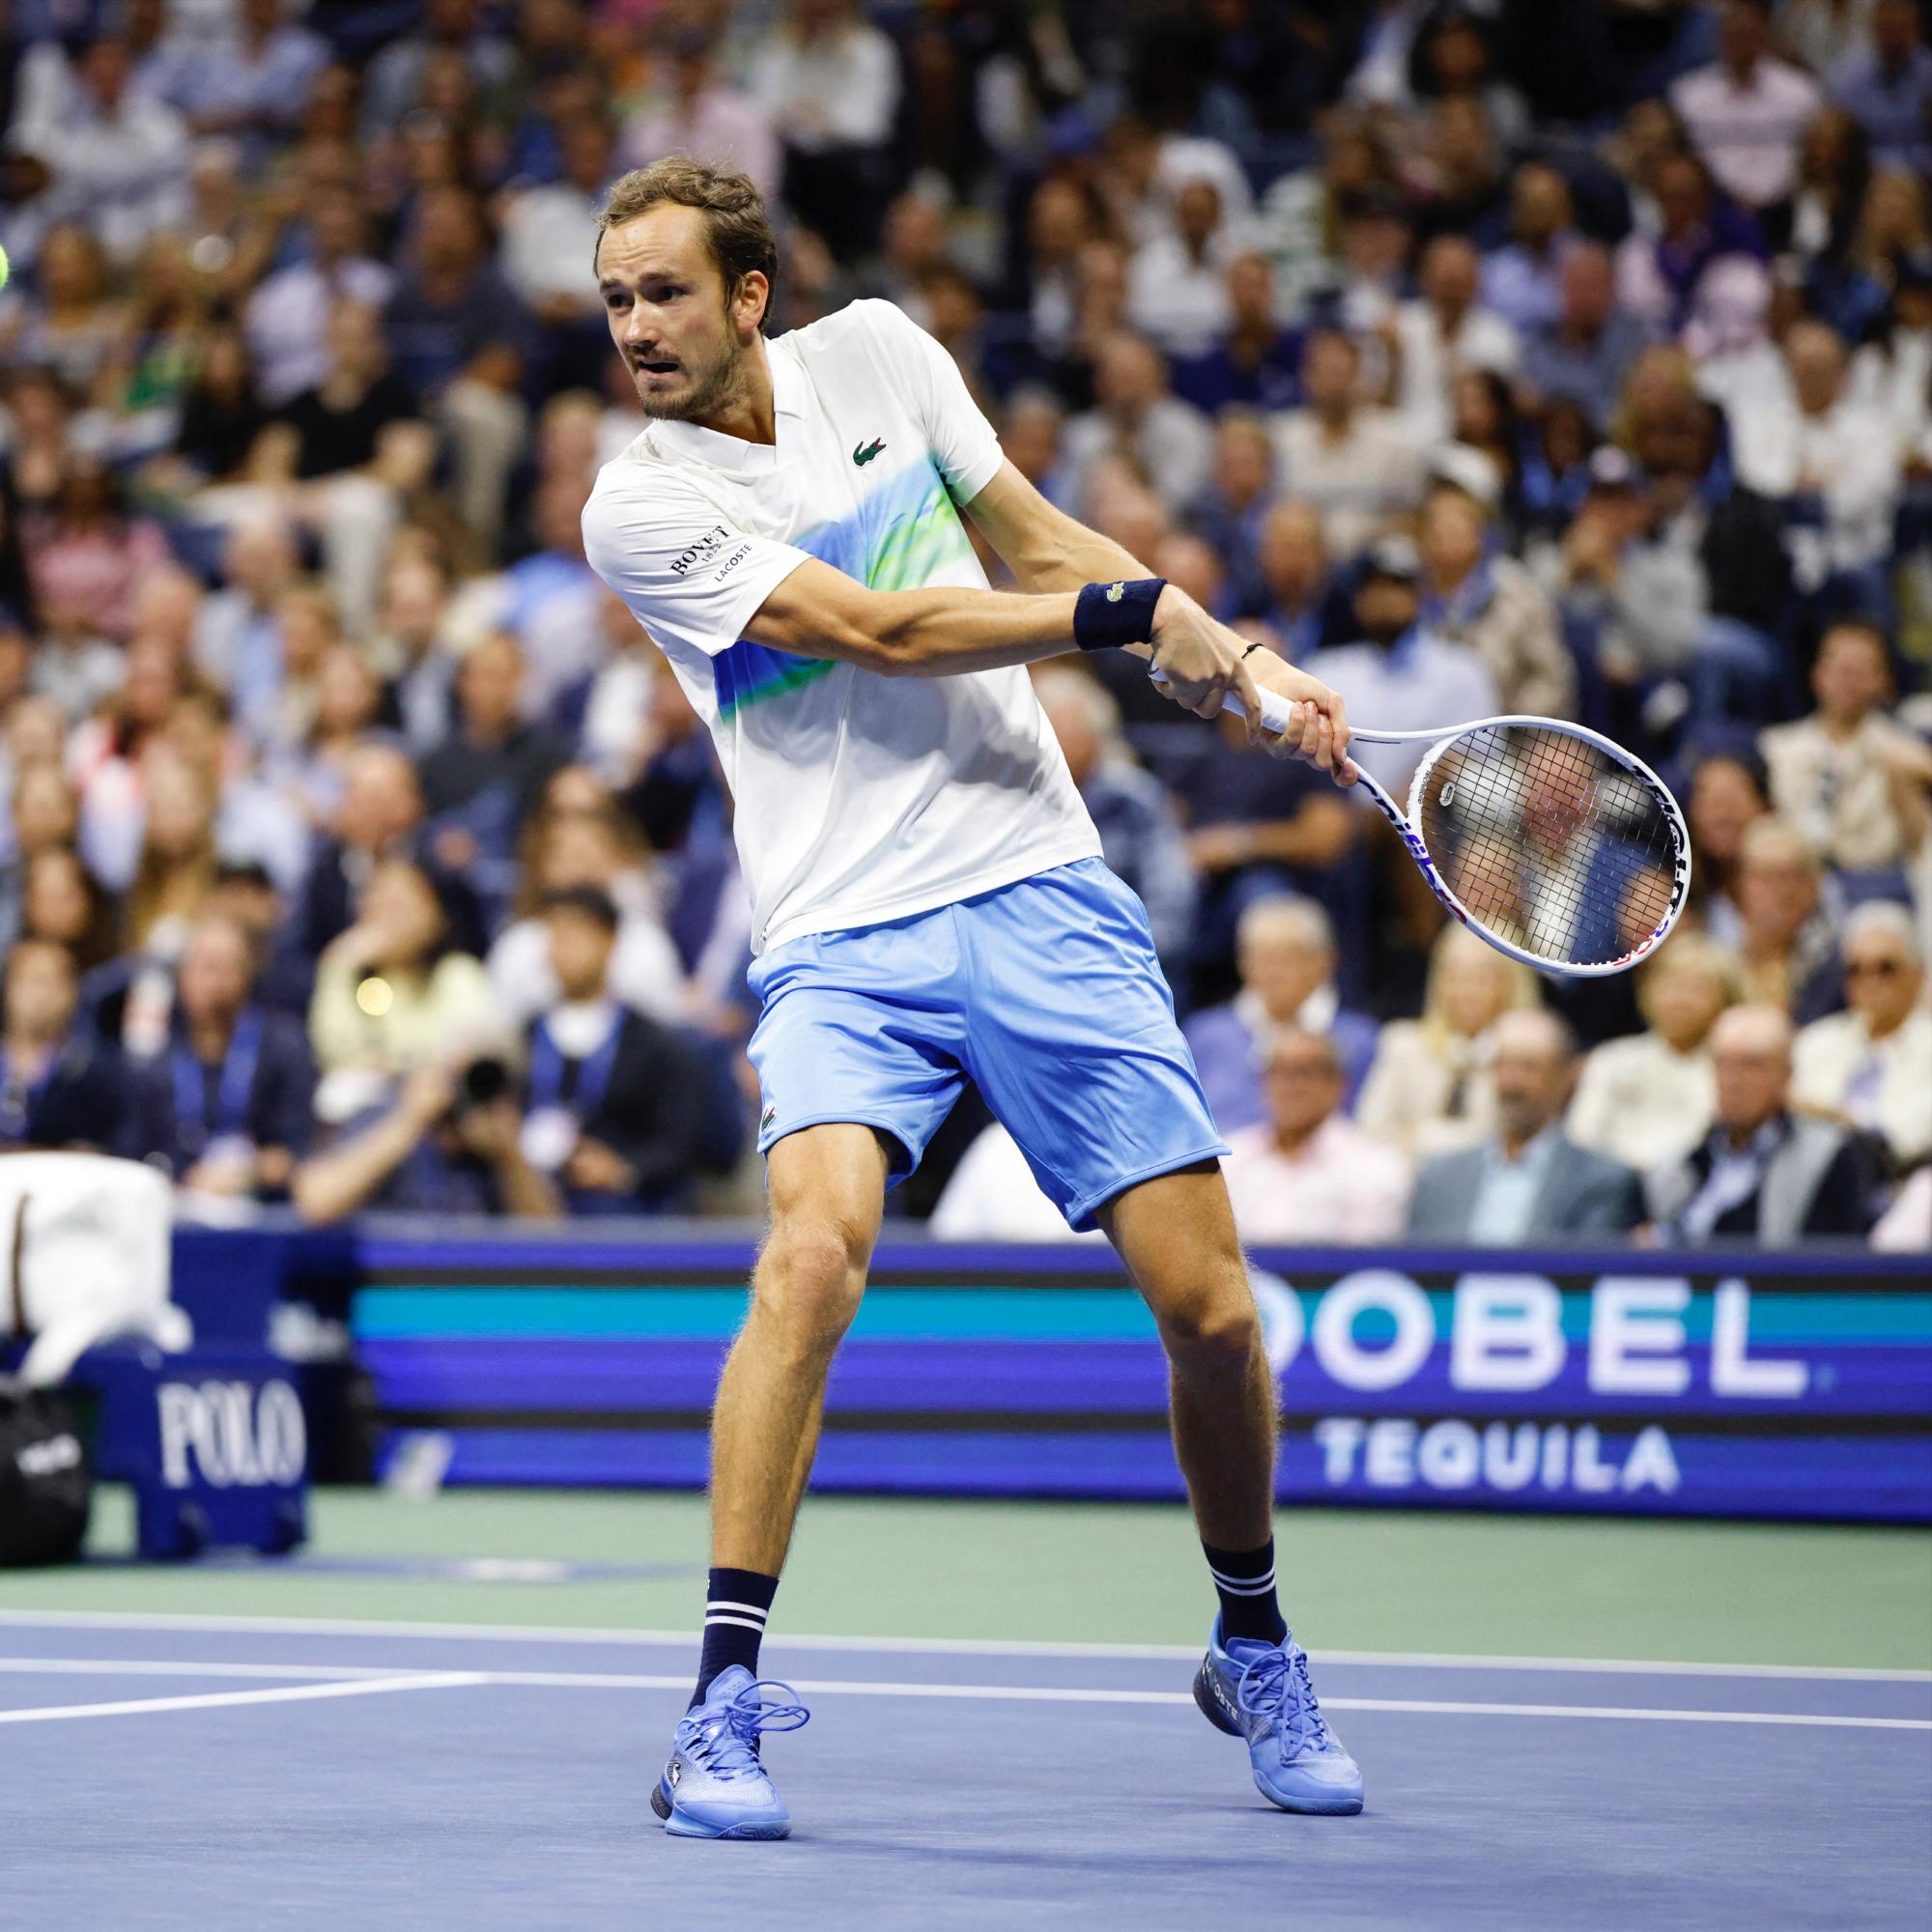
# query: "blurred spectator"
87,555
696,110
415,651
1855,782
44,816
392,993
255,86
1431,1086
485,777
1257,363
175,871
463,345
287,317
449,1143
613,1110
380,816
395,83
1745,111
1401,676
1358,466
1784,943
1871,1065
1140,835
75,330
58,1087
1178,291
1764,1172
62,901
1307,1173
1233,511
1531,1181
117,155
1285,952
1888,86
1581,353
993,1196
552,599
1905,1228
1442,332
572,849
227,1107
1522,281
1728,793
1647,1098
1661,269
1294,580
1480,597
1167,441
236,636
828,82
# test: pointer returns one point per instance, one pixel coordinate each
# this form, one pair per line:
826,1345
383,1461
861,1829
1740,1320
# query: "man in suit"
1530,1183
614,1105
1764,1174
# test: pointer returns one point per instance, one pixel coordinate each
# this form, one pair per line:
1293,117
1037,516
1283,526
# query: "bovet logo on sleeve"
707,546
231,1433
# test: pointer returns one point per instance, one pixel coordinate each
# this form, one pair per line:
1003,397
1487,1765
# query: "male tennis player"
928,903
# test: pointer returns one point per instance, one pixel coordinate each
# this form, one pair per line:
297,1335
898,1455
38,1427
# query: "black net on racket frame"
1549,841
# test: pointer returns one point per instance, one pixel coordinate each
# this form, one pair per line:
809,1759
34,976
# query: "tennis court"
451,1714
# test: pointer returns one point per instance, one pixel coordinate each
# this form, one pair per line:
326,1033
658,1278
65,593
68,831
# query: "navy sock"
736,1607
1244,1581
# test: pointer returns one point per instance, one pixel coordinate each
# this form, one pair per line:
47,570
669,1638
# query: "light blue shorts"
1046,993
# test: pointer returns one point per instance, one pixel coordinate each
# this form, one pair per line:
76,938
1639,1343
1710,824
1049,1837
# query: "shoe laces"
1276,1686
728,1740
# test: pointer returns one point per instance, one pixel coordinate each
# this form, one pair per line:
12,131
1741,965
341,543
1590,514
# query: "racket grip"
1277,711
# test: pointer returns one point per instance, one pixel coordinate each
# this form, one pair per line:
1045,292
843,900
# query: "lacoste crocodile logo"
863,454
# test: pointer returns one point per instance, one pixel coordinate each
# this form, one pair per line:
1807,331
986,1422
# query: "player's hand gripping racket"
1547,839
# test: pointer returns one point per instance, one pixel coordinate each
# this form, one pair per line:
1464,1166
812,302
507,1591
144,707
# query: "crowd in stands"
359,850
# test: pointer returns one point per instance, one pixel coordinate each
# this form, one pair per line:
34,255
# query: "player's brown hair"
736,223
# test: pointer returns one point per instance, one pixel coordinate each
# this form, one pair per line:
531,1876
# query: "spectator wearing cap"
610,1111
59,1086
1479,596
1745,112
1871,1065
1764,1172
227,1107
1887,87
1285,956
1358,464
1256,364
1851,779
1647,1097
1529,1182
1141,837
1306,1172
1442,332
1400,676
1580,354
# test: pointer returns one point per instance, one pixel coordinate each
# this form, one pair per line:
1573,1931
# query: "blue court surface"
229,1773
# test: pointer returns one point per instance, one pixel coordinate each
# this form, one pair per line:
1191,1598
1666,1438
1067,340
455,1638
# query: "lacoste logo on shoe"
673,1771
863,453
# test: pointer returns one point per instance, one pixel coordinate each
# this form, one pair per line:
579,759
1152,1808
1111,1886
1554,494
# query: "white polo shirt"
860,798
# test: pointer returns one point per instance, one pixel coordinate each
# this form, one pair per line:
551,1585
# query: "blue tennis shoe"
715,1787
1261,1691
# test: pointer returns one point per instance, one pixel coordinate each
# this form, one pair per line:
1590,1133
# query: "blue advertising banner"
1738,1384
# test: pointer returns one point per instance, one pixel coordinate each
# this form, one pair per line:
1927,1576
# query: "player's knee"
811,1280
1217,1327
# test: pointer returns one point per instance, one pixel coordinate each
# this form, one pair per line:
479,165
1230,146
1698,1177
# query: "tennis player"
928,903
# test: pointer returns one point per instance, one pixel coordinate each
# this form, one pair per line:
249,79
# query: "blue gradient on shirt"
897,535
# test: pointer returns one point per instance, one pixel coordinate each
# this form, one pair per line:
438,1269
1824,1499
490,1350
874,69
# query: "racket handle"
1277,711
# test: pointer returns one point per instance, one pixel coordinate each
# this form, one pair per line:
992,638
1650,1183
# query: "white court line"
932,1647
1018,1693
437,1680
122,1666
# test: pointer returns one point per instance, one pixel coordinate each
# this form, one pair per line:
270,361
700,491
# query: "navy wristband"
1106,616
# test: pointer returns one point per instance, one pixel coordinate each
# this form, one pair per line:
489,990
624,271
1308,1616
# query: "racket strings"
1549,841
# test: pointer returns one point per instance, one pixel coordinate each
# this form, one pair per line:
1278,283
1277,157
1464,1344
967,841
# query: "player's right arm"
691,578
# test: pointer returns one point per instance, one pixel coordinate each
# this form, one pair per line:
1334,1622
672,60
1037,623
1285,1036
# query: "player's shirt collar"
733,452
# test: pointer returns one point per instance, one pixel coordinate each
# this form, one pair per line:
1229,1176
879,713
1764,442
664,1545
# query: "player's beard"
712,385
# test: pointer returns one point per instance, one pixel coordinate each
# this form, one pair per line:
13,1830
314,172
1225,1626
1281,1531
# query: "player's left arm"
1046,550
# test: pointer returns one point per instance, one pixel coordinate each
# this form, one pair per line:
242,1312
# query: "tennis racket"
1547,839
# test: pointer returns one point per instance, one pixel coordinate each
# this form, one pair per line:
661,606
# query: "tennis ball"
3,268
